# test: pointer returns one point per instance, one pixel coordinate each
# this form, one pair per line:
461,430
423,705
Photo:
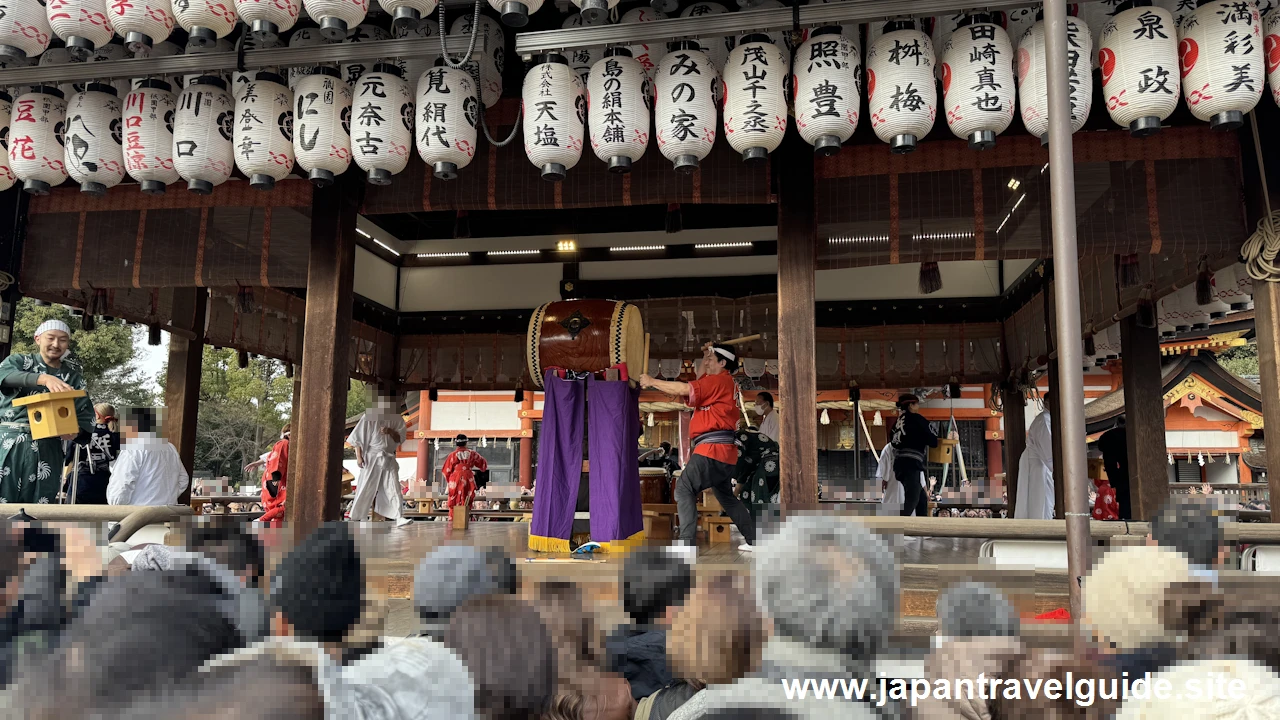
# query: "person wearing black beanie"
318,589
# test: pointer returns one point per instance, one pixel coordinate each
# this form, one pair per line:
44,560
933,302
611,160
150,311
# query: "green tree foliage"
241,411
105,354
1241,361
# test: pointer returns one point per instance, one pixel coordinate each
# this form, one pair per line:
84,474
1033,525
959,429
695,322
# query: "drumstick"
645,371
741,340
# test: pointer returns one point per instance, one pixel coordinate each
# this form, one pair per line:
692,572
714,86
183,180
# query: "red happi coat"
459,470
277,461
1105,506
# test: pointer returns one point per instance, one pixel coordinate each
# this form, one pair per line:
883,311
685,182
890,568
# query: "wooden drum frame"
585,336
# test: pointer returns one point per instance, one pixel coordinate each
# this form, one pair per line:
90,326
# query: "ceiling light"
638,248
513,252
387,247
721,245
1014,183
857,239
942,236
1015,205
566,246
443,254
365,234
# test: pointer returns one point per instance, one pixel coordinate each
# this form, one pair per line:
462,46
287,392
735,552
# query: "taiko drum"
585,336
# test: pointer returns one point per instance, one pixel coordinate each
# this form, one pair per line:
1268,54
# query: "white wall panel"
375,278
689,267
478,287
965,278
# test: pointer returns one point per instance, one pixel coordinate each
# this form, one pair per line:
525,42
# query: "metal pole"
1067,301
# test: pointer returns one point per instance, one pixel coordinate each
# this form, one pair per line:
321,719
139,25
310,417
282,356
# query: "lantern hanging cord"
471,46
1260,250
484,125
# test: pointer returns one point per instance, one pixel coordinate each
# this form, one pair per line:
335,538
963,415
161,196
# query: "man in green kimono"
29,469
757,471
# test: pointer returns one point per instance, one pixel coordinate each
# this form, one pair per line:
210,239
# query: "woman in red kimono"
273,480
459,472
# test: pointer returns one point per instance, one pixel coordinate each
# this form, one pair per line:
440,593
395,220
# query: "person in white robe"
375,439
1035,471
148,470
891,503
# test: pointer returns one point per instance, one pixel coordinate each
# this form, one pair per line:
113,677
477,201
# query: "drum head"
632,345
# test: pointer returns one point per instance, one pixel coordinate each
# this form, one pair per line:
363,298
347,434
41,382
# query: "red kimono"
459,470
1105,506
277,462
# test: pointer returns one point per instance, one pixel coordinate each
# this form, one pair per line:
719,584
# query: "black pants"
914,497
703,473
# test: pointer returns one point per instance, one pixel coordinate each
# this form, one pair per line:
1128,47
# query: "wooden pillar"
1144,417
797,374
1266,302
293,413
316,495
13,229
182,383
424,425
1053,408
526,442
1015,438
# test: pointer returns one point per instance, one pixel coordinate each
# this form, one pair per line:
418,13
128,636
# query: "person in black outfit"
911,436
1115,458
97,450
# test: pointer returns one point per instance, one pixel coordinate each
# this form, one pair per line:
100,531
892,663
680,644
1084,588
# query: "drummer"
715,416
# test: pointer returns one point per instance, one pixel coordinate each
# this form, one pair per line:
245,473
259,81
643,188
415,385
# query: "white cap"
725,353
48,325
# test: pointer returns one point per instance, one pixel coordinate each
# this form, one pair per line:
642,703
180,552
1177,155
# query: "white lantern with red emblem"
202,133
554,116
448,114
515,13
716,48
82,25
685,105
382,123
141,23
263,132
1138,55
322,125
408,14
492,61
755,101
7,178
1271,44
979,95
1222,59
24,32
412,68
36,132
94,154
266,19
617,112
205,20
1033,91
336,17
828,92
645,54
900,84
149,112
594,12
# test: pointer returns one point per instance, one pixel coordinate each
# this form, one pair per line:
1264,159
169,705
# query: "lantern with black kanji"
448,105
24,32
36,131
336,17
900,85
828,71
94,154
322,125
266,19
617,116
240,79
515,13
382,123
58,56
594,12
1222,61
412,68
644,53
7,178
979,95
581,59
222,46
141,23
263,133
1033,90
367,32
205,20
1138,56
202,133
554,116
149,111
408,14
492,61
755,103
82,25
685,106
304,37
716,48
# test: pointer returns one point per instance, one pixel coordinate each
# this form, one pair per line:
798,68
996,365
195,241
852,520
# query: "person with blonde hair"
99,448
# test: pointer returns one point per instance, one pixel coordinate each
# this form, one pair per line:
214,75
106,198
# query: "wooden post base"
460,518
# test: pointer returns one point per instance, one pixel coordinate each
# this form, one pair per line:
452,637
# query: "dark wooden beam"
1015,438
182,383
1054,410
316,495
1266,301
1144,418
797,373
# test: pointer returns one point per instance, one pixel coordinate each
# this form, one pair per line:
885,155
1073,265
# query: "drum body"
585,336
652,481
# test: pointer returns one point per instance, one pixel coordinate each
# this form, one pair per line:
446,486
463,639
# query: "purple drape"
559,458
614,417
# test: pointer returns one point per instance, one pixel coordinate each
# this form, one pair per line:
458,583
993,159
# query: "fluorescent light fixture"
1014,183
858,239
513,252
1002,223
638,248
566,246
1046,167
1015,205
942,236
365,234
443,254
387,247
721,245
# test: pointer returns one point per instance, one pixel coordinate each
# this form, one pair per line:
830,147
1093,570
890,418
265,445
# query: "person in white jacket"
1035,470
148,470
891,503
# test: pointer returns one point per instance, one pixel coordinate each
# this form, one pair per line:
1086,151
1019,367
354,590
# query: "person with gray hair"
970,610
453,574
1190,527
977,634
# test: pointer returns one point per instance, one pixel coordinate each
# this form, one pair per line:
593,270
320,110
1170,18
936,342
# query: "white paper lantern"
382,123
82,25
36,132
169,48
408,14
322,125
205,20
646,55
617,111
304,37
594,12
554,116
24,32
336,17
222,46
240,79
412,68
781,38
685,106
263,131
828,89
716,48
1096,15
1233,286
448,107
903,97
7,178
515,13
979,95
105,53
351,71
491,62
94,155
1271,44
1222,60
141,23
1033,91
755,102
266,19
202,133
58,56
1138,55
149,113
581,59
1180,9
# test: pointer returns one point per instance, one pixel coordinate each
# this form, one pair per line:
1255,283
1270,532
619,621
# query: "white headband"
724,353
48,325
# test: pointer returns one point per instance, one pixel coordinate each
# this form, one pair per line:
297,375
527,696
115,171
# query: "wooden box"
719,530
52,414
944,454
460,518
